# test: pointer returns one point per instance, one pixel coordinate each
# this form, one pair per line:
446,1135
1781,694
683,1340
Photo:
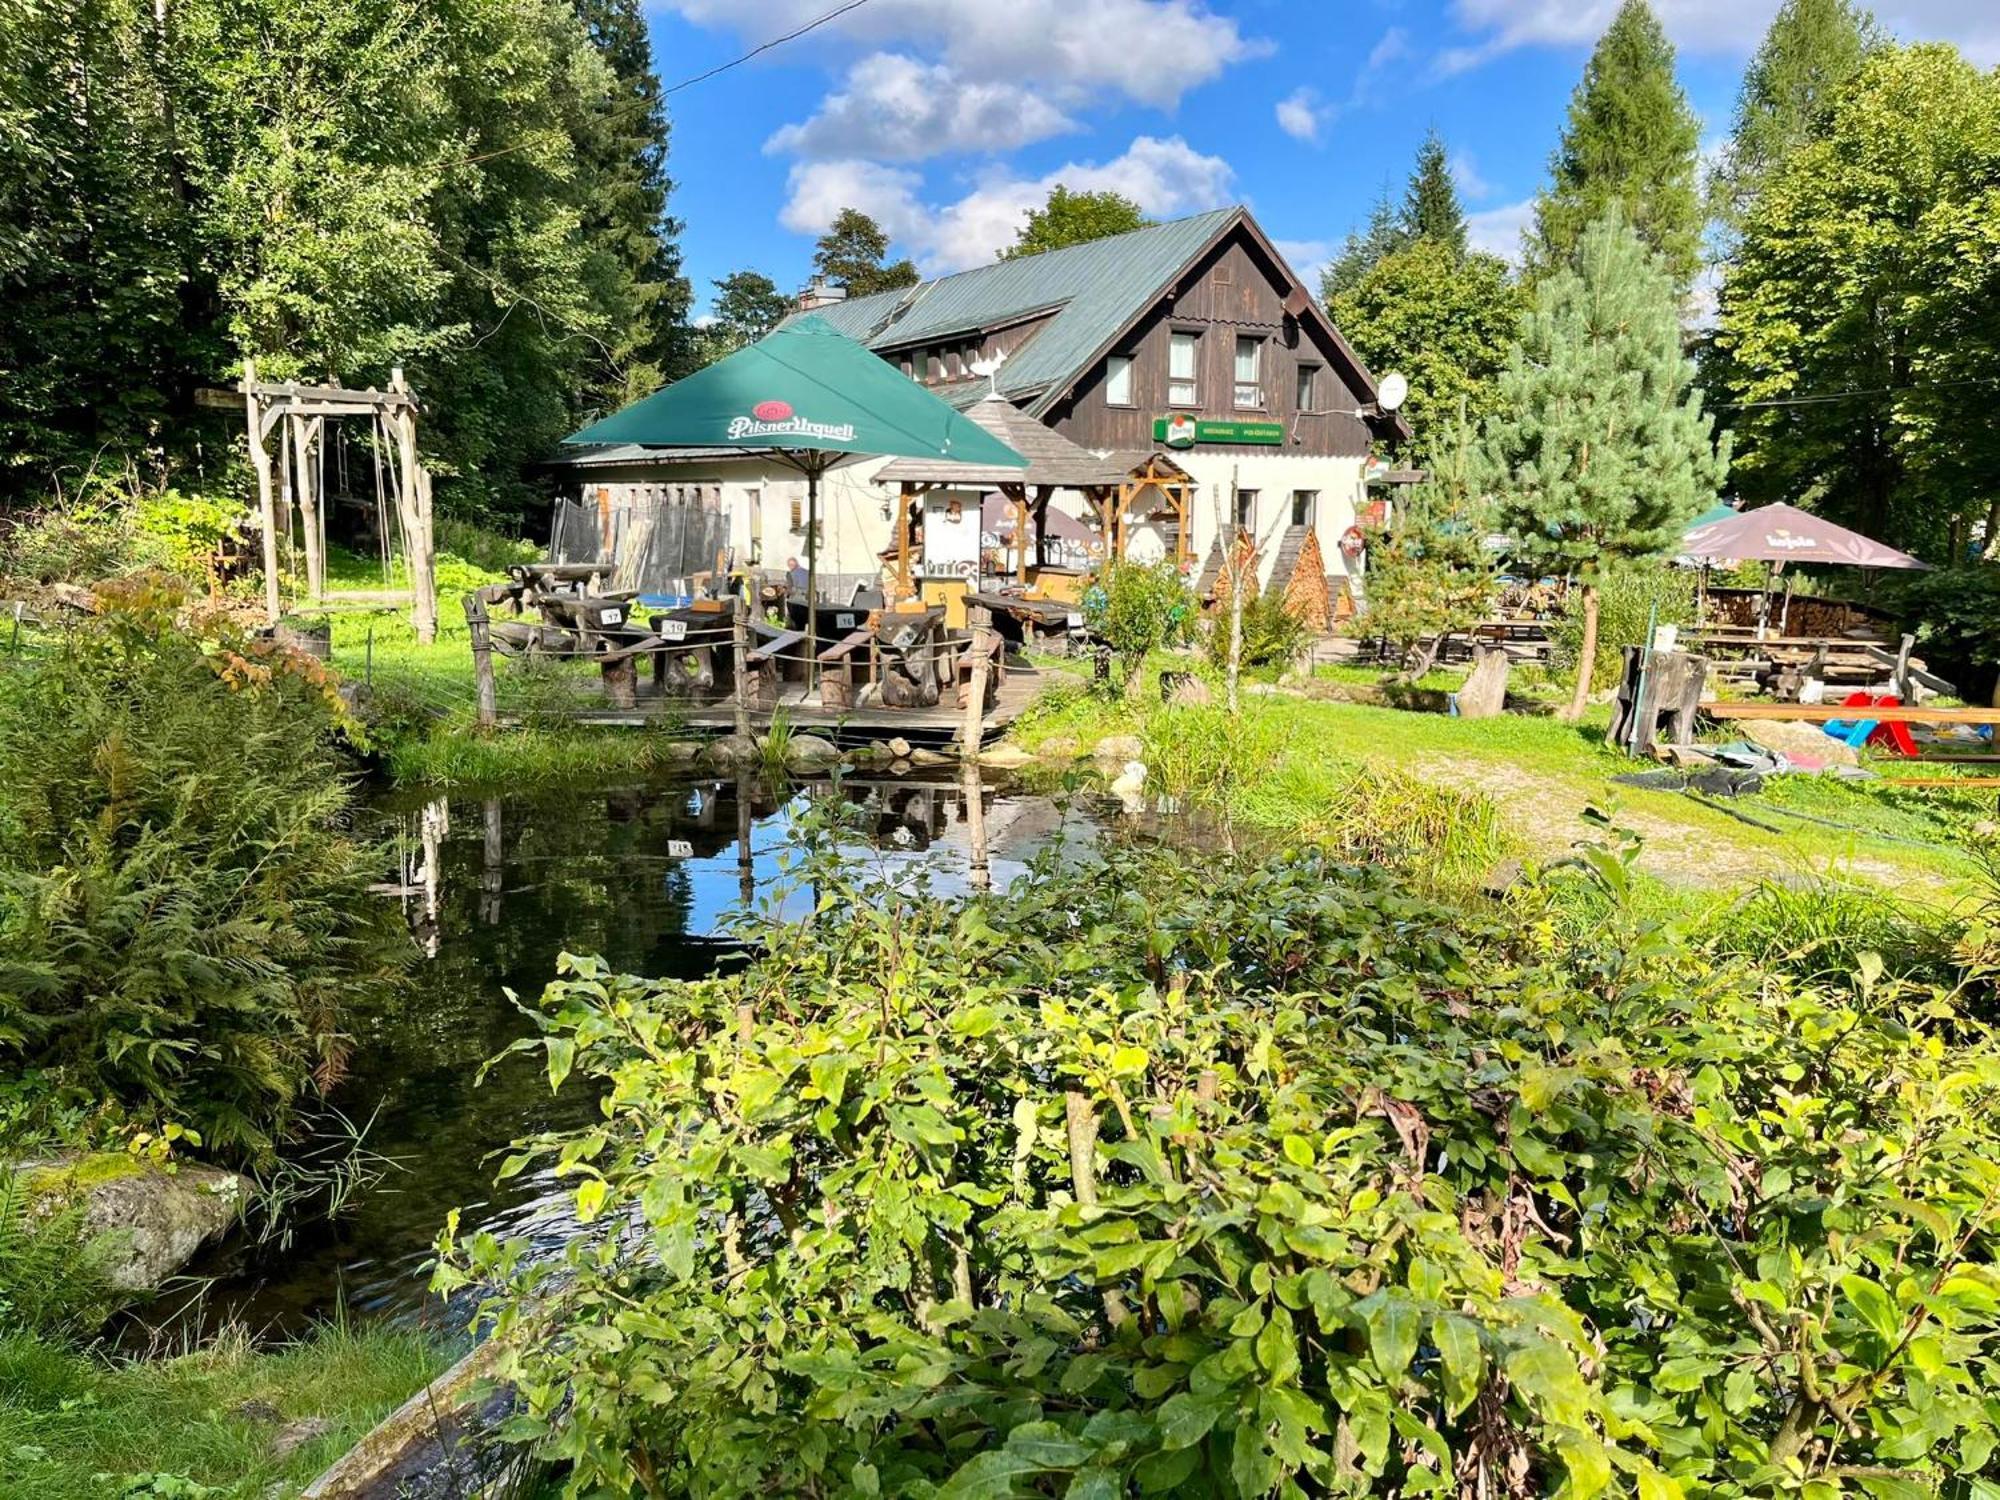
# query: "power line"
1829,397
777,41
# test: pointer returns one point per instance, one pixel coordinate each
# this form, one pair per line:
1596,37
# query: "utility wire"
1829,397
777,41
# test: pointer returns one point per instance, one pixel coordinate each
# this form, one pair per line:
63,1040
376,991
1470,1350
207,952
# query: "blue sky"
947,118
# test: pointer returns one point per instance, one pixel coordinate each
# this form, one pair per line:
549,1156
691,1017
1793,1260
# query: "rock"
923,757
732,750
1006,757
1191,692
140,1222
295,1435
1131,781
254,1410
1119,747
899,748
1059,747
808,752
1502,878
682,752
1795,737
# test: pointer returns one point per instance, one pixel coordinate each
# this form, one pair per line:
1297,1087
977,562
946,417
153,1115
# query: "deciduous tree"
1603,451
748,305
1860,323
1441,318
1630,142
1072,218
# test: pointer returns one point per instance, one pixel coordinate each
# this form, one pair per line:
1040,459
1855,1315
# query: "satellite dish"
1393,391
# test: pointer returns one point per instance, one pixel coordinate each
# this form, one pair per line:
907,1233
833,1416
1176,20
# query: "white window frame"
1311,517
1246,510
1184,390
1248,395
1118,380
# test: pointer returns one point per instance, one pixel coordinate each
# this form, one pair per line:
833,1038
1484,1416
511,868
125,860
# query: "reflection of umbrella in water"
809,396
1782,534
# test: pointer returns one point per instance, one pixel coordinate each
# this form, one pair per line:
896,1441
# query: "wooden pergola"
1153,474
297,414
1054,463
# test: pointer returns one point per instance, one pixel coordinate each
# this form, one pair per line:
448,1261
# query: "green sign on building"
1183,431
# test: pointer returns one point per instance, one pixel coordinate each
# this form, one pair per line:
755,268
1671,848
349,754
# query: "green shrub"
185,534
1628,595
1210,1177
50,1284
184,917
1271,635
1135,608
80,542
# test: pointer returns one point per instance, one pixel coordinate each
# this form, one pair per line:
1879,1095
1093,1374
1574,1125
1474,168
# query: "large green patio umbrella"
811,397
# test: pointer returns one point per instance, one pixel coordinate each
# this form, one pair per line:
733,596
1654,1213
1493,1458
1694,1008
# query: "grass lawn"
77,1427
1523,783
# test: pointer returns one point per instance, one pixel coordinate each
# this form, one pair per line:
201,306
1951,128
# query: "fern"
50,1284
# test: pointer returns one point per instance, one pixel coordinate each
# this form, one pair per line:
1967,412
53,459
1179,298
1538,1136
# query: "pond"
493,888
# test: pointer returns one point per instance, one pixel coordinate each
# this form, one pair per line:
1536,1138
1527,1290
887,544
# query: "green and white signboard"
1184,431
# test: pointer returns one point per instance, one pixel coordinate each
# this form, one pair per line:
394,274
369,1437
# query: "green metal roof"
1097,288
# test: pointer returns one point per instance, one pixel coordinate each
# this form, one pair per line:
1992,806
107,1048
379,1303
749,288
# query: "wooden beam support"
267,506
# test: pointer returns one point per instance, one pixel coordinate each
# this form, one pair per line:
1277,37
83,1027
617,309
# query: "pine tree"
853,253
1602,452
1631,141
1812,48
1364,249
1430,206
1434,576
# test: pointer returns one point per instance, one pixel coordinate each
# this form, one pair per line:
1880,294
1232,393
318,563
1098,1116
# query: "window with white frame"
1183,351
1246,510
1118,380
1249,372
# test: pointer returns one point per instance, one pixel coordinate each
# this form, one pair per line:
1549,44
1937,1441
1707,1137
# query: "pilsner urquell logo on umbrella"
777,419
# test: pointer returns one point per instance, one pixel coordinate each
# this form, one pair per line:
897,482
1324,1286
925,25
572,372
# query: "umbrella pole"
812,574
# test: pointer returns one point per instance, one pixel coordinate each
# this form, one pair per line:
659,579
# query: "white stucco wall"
1337,481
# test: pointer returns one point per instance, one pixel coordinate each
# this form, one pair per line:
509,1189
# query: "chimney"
820,292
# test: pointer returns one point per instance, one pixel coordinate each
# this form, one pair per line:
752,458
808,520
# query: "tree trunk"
1586,658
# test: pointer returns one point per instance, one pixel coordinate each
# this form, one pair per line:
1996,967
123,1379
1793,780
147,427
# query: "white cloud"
1149,51
1712,26
897,107
1465,173
1307,257
1299,115
1498,230
1164,177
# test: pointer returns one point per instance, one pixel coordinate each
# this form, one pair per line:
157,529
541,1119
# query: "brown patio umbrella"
1785,534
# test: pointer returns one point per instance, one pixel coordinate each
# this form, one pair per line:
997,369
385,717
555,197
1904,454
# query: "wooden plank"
1824,713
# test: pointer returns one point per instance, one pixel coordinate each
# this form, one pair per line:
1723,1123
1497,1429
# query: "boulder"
141,1223
732,750
1794,737
1006,757
923,757
681,752
1119,748
899,748
1059,747
808,752
1191,692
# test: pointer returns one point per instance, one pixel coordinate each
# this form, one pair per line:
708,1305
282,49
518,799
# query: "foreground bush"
184,917
1206,1178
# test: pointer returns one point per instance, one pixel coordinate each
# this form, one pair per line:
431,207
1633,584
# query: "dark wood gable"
1237,289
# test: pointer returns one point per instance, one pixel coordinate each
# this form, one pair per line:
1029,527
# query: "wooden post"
1019,495
267,505
482,660
979,871
306,436
903,589
492,869
414,502
972,728
739,622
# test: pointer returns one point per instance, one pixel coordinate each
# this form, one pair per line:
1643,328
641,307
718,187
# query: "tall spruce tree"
623,152
854,254
1631,141
1602,452
1431,209
1364,248
1812,48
